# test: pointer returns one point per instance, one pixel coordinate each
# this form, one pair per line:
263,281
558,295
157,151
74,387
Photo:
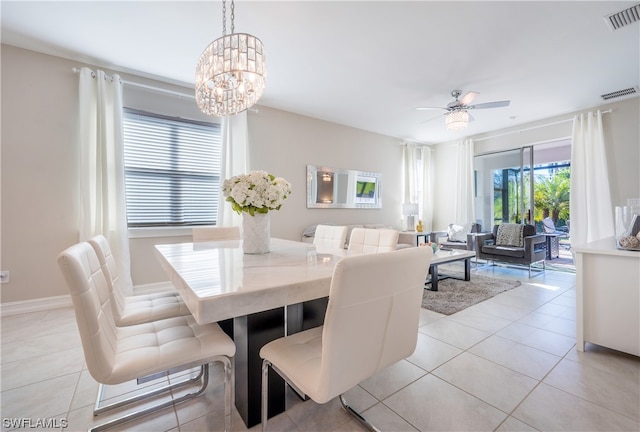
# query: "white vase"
256,232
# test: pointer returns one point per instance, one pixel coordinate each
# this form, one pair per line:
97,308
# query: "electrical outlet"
4,277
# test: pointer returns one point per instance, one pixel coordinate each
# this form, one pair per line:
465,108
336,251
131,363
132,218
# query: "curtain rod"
148,87
532,128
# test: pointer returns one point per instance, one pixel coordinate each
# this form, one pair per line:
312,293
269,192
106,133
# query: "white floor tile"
497,385
454,333
506,364
513,355
604,388
551,409
431,404
391,379
431,353
537,338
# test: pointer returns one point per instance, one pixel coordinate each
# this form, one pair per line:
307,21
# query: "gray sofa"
494,247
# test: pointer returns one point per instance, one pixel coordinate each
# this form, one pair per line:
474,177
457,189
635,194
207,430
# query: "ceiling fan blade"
430,120
469,97
429,108
496,104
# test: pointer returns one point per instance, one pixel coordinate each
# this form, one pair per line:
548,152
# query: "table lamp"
410,210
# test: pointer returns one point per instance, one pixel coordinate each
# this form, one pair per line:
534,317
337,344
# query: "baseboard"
35,305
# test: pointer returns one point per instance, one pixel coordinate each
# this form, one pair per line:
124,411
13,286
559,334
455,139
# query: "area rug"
454,295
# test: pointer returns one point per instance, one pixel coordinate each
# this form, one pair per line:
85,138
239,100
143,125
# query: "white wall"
283,143
39,176
622,135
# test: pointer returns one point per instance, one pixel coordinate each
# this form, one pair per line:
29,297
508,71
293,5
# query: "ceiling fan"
457,116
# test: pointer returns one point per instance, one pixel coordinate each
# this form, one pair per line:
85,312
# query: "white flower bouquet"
256,192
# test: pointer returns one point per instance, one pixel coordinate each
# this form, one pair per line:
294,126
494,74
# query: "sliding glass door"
504,187
530,185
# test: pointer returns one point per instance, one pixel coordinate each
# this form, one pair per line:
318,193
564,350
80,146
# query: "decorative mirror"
339,188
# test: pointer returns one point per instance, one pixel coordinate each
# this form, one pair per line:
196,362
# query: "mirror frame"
341,186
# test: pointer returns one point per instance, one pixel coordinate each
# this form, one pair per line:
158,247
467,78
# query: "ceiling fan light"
457,120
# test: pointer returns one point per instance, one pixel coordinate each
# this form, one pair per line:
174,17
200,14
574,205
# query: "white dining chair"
369,240
213,233
115,355
330,236
134,309
371,322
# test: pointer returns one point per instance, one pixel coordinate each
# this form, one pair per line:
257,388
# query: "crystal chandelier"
457,120
231,72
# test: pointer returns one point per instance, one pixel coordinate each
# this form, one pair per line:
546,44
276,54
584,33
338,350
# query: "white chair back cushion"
91,298
213,233
368,240
110,269
372,316
330,237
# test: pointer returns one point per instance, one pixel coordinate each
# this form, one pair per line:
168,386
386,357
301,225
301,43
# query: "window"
172,170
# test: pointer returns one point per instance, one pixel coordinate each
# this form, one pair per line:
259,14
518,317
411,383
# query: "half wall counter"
608,296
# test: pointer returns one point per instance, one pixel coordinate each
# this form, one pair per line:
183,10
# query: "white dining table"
255,298
218,281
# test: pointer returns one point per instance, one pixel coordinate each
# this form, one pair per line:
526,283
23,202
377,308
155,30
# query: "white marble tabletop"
218,281
447,255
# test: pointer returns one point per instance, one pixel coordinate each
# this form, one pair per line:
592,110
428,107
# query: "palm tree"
551,195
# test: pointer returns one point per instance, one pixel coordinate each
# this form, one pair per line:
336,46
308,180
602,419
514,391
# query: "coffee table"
444,256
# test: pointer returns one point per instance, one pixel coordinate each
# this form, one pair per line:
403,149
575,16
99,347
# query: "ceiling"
365,64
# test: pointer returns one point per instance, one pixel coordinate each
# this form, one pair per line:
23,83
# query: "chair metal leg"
265,399
202,376
229,391
357,415
265,393
98,409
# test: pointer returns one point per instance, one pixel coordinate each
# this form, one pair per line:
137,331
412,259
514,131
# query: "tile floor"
507,364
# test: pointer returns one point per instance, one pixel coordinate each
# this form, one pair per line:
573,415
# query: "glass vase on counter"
627,225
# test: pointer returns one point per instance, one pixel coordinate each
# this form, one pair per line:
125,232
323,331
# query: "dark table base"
250,334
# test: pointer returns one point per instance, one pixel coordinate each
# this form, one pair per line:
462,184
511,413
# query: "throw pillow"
510,235
458,233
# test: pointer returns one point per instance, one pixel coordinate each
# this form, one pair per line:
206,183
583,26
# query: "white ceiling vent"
623,18
620,93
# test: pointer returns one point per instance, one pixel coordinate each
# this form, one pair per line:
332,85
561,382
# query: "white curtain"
418,181
101,165
464,200
235,160
590,203
427,202
410,173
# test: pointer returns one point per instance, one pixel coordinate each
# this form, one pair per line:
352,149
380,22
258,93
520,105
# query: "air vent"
623,18
620,93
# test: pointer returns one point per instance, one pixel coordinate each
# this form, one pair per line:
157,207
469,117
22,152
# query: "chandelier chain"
233,15
224,18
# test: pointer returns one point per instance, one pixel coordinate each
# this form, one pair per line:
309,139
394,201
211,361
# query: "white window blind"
172,170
